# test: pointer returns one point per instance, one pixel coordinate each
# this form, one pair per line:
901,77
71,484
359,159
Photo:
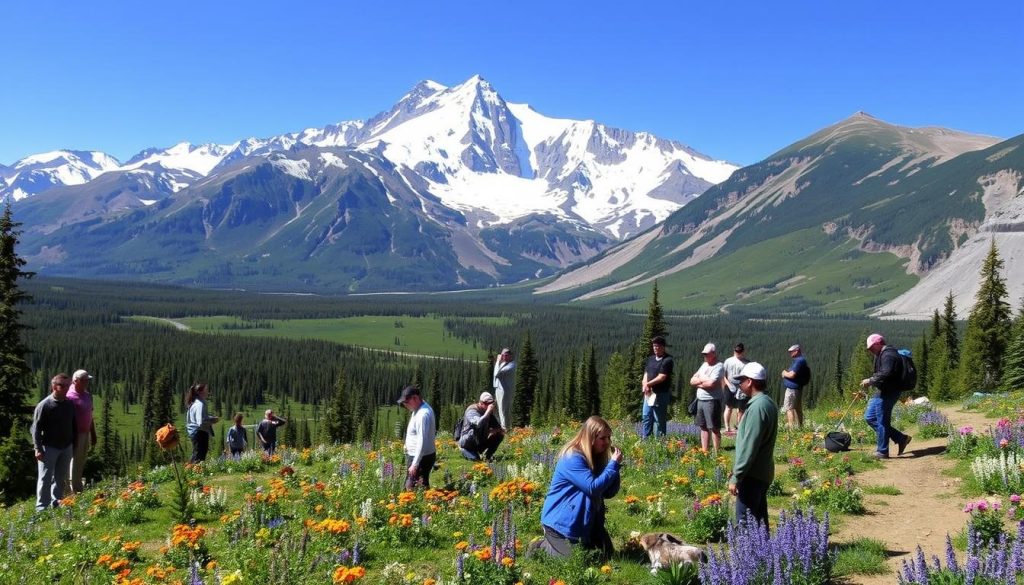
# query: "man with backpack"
893,372
479,432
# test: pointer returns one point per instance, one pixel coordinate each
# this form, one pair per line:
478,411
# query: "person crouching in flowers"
587,472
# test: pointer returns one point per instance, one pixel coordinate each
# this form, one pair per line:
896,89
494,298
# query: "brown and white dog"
666,549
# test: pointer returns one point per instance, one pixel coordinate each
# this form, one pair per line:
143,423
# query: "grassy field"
406,334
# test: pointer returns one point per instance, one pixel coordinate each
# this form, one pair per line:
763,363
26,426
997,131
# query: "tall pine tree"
988,331
338,425
16,462
527,380
1013,365
587,384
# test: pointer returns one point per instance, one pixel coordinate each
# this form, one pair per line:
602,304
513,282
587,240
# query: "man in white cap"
504,383
81,398
754,468
794,379
708,382
886,378
481,432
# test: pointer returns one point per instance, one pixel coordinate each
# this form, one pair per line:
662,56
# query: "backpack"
457,431
908,371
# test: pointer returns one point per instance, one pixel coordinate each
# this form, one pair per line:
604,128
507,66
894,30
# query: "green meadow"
406,334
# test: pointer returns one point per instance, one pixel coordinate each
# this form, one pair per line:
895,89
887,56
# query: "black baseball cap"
408,392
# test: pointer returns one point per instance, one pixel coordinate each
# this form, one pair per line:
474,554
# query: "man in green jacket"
754,470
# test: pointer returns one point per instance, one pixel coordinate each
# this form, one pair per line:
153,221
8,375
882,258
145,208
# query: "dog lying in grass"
666,549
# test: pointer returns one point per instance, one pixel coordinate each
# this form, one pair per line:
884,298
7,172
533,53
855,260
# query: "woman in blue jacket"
587,472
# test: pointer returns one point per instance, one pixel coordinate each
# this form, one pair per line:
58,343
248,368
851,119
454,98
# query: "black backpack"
908,371
457,431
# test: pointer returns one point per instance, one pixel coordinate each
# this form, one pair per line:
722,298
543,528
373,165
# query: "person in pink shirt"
81,398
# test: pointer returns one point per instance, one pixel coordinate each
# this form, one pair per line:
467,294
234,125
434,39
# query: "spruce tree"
16,463
291,434
654,325
988,331
837,375
1013,364
569,396
922,359
951,337
108,450
527,380
338,423
588,387
619,387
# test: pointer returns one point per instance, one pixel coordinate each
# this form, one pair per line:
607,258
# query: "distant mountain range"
843,221
455,188
451,187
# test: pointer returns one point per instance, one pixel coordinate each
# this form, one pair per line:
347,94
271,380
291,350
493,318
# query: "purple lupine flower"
355,552
485,503
494,540
460,566
919,563
951,563
194,578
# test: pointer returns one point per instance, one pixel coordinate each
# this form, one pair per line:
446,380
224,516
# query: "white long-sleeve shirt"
419,435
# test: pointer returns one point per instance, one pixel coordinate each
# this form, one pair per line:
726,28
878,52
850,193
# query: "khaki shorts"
792,399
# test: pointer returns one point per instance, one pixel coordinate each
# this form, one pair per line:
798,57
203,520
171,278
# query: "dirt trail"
928,507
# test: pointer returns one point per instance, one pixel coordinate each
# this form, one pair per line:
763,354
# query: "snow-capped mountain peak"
40,172
494,161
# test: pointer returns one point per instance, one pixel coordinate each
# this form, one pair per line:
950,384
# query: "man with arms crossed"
708,382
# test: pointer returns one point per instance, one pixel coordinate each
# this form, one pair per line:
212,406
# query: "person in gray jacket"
504,383
481,432
54,433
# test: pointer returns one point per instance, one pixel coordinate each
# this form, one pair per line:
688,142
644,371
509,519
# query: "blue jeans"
878,415
752,496
53,474
655,414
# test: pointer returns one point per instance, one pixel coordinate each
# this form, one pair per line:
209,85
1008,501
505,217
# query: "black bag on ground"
692,408
837,441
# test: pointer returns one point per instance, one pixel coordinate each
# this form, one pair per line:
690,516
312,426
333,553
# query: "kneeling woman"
587,472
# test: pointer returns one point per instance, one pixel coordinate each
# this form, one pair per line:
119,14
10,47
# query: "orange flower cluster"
158,573
308,488
183,534
286,471
483,469
403,520
406,498
436,495
344,574
167,437
518,435
712,500
519,490
631,499
329,525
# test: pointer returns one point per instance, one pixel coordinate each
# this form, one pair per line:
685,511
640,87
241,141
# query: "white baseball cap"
486,397
754,371
794,347
79,374
709,348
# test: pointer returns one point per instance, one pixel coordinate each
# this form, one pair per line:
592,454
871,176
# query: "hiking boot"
879,455
903,444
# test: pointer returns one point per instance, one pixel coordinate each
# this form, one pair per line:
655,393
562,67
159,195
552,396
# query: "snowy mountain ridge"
494,161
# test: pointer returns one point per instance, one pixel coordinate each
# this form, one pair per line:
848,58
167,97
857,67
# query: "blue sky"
735,80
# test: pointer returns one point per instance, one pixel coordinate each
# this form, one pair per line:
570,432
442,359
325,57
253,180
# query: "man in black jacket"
54,432
887,392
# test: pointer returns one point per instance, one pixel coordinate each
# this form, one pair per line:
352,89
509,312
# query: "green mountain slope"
839,222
